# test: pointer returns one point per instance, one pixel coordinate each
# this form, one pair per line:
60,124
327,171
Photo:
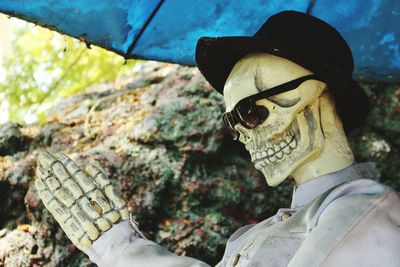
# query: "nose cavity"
244,134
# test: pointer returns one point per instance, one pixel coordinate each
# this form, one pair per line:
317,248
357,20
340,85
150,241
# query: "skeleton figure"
286,117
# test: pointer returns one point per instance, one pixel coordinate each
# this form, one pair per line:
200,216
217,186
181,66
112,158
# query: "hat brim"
215,58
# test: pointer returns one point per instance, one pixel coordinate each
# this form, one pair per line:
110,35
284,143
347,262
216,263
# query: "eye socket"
284,103
248,114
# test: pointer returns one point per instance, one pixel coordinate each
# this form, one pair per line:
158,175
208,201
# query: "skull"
291,136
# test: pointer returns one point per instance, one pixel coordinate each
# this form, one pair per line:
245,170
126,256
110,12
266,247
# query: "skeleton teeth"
276,148
274,152
286,150
270,151
260,164
263,163
293,144
283,144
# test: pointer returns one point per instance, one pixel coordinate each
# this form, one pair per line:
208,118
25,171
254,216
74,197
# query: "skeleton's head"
292,134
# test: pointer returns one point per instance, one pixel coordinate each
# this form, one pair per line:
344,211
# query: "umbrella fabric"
167,30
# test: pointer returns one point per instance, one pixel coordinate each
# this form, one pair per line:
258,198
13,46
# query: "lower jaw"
274,179
276,173
294,131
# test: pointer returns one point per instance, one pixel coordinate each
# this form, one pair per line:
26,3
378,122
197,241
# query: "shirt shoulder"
351,201
351,222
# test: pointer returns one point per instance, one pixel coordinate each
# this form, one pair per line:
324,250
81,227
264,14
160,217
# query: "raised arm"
95,218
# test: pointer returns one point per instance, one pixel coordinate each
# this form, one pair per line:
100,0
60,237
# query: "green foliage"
379,139
45,66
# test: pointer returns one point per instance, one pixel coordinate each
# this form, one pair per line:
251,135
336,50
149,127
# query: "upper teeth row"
277,151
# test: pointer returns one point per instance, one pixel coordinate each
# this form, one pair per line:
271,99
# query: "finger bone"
84,243
74,227
73,187
98,175
64,197
41,172
114,196
61,212
124,213
85,182
46,159
60,171
46,197
39,184
103,224
87,207
82,221
68,231
97,165
112,215
52,183
71,166
98,197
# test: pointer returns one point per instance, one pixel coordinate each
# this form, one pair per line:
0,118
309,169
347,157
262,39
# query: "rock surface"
159,136
11,139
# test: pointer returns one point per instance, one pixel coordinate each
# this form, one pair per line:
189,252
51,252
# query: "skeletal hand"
84,203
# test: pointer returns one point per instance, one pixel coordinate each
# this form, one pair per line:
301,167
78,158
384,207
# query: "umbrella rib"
144,27
311,6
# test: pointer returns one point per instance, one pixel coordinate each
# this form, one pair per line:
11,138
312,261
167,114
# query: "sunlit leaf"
45,66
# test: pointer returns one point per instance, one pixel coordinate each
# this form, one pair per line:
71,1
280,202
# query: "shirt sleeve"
121,247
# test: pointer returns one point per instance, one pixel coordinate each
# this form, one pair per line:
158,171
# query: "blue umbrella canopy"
167,30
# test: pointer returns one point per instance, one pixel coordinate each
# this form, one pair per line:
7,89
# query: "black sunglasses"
248,114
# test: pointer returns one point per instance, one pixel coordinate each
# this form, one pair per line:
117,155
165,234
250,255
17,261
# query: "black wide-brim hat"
301,38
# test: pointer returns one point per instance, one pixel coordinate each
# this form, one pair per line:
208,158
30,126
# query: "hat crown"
312,36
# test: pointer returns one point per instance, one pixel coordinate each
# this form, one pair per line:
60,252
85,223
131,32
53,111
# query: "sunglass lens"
262,113
247,114
251,115
229,123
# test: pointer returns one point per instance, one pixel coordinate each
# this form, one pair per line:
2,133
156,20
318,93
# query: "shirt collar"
306,192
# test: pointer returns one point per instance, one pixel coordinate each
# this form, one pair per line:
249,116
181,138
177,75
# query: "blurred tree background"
44,66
